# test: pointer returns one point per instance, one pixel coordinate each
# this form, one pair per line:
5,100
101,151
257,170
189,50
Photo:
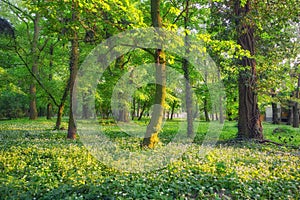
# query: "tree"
154,127
249,124
185,67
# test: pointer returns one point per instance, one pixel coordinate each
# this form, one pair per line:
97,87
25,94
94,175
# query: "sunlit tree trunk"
249,124
154,127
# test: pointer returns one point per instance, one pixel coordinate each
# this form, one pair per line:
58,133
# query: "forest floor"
37,162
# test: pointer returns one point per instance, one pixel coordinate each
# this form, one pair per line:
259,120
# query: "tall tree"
154,127
74,61
185,67
249,124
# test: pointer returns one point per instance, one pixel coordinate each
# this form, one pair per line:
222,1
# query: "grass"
39,163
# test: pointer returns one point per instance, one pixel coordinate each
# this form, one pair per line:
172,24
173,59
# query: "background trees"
254,44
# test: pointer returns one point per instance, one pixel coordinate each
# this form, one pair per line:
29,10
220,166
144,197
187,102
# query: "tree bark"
290,113
173,109
33,114
151,136
74,58
49,105
249,124
133,109
123,110
185,68
275,119
296,106
142,112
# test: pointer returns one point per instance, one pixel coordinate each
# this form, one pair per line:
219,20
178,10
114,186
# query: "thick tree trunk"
154,127
249,124
33,114
151,137
74,58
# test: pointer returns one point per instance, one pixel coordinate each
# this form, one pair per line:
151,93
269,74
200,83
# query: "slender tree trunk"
61,106
138,108
188,90
151,137
296,107
275,119
123,110
206,114
133,109
74,58
290,113
49,105
249,124
33,114
85,107
221,110
142,112
173,109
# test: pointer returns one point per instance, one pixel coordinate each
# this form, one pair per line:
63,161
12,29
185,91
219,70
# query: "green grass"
37,162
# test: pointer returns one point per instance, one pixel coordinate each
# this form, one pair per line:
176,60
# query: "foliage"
36,162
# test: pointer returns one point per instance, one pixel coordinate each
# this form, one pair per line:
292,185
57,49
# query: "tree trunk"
59,116
142,112
133,109
33,114
173,109
74,57
290,113
295,115
185,68
206,114
154,127
49,111
249,124
49,105
123,110
275,119
296,107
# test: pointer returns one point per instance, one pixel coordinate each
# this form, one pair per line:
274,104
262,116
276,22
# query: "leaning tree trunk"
249,124
33,114
154,127
74,57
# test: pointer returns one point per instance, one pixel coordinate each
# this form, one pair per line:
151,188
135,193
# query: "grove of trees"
255,45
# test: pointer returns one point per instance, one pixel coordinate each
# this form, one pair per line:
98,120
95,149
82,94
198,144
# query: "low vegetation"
39,163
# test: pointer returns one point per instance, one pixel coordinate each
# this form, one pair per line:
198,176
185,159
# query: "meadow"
37,162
